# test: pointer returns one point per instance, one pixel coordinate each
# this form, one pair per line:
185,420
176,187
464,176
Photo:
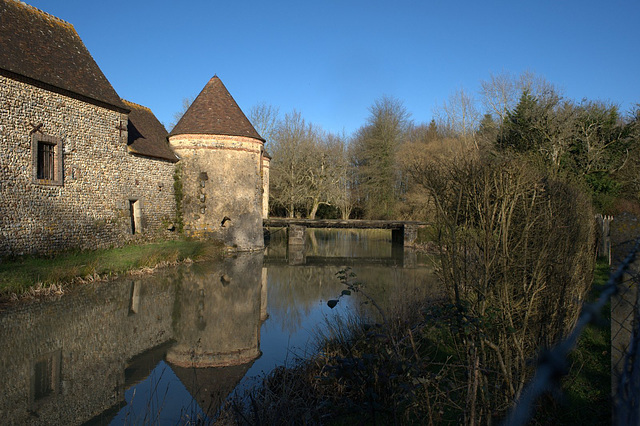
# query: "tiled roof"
46,49
147,136
215,112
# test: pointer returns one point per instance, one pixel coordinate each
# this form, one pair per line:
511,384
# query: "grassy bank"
407,370
24,274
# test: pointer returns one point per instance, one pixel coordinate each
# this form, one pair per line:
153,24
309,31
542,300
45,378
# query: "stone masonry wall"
221,178
265,187
91,334
90,207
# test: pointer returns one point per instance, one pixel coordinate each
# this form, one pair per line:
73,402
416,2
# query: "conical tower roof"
215,112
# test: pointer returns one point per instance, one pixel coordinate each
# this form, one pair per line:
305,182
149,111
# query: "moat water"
170,347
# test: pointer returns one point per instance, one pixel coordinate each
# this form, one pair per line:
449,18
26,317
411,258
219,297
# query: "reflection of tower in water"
216,320
217,314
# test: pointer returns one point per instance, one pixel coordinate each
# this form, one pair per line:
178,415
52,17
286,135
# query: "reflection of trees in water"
294,290
349,242
337,243
393,288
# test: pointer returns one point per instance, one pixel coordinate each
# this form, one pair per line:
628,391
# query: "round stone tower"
266,163
220,170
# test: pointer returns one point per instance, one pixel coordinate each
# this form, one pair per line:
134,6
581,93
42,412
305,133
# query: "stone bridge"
402,231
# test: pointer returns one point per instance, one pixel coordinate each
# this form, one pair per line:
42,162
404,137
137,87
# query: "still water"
172,346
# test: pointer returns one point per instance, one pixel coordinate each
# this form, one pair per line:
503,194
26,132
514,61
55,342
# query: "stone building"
82,168
79,168
221,167
266,162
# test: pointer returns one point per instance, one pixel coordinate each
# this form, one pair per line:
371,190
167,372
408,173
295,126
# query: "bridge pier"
296,239
409,259
296,235
397,237
406,235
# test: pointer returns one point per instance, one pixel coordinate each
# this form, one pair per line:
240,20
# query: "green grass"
19,275
588,386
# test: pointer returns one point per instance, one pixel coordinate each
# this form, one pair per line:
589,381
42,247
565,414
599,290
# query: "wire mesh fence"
625,350
622,292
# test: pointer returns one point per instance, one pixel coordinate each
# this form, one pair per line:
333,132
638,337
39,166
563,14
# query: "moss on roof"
147,136
48,50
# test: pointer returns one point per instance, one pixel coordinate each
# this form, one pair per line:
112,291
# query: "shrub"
516,257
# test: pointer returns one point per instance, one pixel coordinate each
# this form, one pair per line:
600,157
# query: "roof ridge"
46,15
133,104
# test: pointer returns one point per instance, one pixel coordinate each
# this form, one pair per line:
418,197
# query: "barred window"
46,159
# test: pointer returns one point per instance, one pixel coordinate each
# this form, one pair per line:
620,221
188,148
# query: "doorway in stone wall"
135,213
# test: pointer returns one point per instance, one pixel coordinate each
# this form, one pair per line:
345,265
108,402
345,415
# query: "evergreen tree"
519,131
487,130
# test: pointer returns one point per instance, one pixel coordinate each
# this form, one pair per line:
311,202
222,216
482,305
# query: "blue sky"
331,59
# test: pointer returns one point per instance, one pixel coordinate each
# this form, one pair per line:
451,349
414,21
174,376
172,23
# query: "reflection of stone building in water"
219,321
81,168
217,331
63,361
69,360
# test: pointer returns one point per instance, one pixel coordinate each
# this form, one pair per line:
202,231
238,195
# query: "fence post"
604,236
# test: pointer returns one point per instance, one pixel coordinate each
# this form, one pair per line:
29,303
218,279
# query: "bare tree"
345,196
323,173
426,145
458,116
516,258
264,118
375,147
293,140
307,167
501,92
186,103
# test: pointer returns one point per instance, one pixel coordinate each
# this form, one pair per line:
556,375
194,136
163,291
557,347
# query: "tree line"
370,173
509,184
